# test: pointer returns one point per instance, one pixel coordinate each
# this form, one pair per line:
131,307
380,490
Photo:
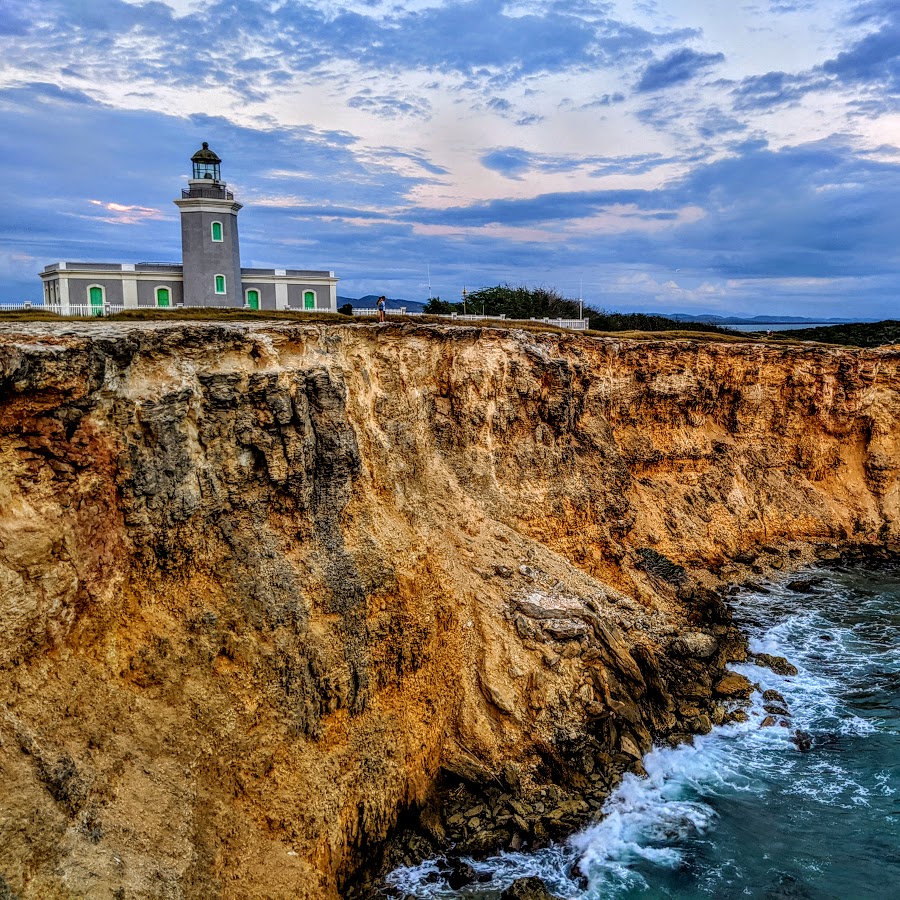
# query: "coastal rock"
461,874
695,644
778,664
803,585
530,888
565,629
733,685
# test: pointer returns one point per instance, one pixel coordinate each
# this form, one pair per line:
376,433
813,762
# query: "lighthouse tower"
209,236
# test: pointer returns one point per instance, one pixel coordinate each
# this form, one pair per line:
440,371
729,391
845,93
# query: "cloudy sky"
682,155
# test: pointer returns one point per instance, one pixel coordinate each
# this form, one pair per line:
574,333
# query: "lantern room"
206,164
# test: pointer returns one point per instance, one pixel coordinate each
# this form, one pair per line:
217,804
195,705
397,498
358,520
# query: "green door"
309,300
96,301
253,299
162,296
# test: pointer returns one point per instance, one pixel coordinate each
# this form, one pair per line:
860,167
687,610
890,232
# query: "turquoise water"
744,813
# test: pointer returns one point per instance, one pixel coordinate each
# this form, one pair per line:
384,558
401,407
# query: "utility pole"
464,295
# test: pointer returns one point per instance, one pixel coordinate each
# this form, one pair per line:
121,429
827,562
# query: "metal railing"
573,324
364,311
570,324
206,193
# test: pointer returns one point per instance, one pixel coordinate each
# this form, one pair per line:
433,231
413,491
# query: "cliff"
268,592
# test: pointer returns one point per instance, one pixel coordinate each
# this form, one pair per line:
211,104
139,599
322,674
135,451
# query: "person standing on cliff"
382,302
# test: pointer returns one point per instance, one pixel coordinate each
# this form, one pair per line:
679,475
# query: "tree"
522,303
346,309
437,307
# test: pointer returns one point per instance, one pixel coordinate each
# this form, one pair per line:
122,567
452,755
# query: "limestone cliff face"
261,585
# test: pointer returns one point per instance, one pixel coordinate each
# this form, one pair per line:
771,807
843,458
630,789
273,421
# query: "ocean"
808,812
779,326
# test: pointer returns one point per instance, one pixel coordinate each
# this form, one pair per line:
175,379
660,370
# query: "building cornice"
204,204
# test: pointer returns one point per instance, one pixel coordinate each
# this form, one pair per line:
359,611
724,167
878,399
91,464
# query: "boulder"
530,888
700,724
565,629
695,644
733,685
778,664
803,585
467,767
614,642
697,690
539,606
773,696
460,874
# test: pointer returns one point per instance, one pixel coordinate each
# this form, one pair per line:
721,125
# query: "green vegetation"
859,334
540,303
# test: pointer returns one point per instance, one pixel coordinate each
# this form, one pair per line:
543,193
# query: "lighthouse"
210,250
210,273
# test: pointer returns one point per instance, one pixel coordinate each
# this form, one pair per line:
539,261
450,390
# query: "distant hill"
757,320
369,301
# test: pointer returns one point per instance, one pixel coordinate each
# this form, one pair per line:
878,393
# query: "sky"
677,156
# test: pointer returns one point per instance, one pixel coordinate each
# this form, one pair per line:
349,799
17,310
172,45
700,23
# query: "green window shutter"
220,284
217,231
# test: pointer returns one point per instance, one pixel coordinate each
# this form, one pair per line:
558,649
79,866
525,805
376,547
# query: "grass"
874,334
211,314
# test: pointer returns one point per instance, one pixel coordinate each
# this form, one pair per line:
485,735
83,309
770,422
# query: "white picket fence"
75,309
572,324
89,310
109,309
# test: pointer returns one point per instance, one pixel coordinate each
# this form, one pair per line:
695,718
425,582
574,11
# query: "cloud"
120,214
252,48
510,161
870,63
715,123
873,61
390,106
775,89
679,66
791,6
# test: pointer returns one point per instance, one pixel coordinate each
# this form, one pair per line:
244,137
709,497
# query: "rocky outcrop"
270,594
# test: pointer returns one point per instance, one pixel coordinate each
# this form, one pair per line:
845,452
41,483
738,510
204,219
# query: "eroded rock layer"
267,591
